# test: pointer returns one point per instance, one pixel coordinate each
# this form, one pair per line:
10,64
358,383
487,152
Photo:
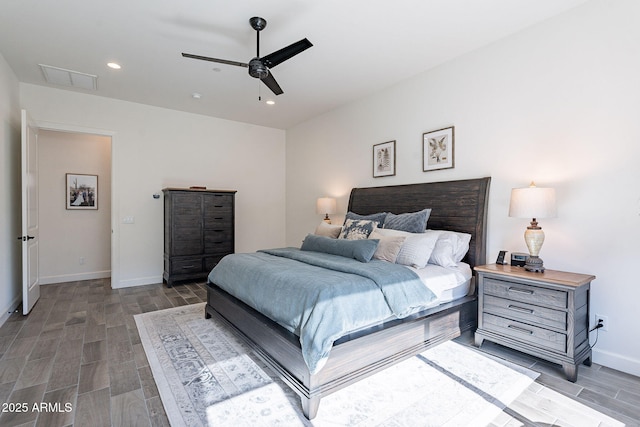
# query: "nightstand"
543,314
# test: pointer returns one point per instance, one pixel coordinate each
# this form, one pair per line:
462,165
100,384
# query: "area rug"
207,376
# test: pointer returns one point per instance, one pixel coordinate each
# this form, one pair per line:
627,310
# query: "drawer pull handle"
520,309
218,206
188,266
219,217
521,291
519,329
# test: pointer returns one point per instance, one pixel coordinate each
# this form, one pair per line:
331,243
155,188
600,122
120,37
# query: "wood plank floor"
78,357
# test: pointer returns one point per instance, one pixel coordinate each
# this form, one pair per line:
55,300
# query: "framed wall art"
82,191
384,159
437,149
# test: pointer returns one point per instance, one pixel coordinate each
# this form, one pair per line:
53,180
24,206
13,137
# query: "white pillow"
328,230
416,249
388,247
450,248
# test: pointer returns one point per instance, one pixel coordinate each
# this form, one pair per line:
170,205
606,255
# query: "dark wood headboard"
455,206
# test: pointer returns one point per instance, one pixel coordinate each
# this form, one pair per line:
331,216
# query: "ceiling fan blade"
272,84
285,53
221,61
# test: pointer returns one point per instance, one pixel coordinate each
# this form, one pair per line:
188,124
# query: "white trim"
616,361
10,309
48,280
141,281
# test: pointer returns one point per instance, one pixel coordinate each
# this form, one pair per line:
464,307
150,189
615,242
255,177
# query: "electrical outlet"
81,260
605,322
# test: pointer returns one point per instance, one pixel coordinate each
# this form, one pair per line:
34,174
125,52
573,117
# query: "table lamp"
326,206
533,202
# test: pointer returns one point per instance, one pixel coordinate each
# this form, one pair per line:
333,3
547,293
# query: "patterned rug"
206,376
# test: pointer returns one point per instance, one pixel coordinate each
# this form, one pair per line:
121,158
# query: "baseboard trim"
140,281
617,361
49,280
7,311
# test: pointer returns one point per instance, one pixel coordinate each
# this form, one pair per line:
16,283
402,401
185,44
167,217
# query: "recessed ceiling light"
113,65
271,102
196,95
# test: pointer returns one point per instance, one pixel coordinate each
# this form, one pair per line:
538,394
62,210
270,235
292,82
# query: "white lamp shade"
533,202
326,205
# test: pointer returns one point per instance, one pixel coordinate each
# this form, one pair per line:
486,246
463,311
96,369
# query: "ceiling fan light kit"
259,67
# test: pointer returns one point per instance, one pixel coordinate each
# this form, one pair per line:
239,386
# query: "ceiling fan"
260,67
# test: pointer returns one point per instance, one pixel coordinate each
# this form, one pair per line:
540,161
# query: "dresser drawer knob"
521,291
519,329
520,309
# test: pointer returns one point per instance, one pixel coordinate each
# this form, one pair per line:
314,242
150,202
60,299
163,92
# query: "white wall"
74,244
557,103
10,247
153,148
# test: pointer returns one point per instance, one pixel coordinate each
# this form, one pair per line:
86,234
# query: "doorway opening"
75,243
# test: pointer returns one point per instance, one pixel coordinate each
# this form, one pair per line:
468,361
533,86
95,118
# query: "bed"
459,206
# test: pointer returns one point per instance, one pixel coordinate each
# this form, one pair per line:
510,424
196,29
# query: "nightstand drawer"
526,293
186,265
539,337
525,312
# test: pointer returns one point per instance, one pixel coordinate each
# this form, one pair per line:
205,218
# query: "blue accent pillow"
361,250
414,222
356,229
377,217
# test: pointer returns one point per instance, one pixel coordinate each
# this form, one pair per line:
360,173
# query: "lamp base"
534,264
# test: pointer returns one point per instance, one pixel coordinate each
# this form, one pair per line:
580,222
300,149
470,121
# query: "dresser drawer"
218,241
186,265
211,261
528,313
526,293
539,337
218,203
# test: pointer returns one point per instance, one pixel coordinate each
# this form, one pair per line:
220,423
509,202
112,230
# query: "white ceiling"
360,47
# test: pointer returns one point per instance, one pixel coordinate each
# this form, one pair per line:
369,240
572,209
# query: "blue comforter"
320,297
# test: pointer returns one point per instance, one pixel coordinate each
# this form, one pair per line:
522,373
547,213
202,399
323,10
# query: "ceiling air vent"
60,76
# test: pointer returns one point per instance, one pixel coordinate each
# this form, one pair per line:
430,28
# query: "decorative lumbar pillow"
361,250
328,230
417,247
377,217
414,222
356,229
450,248
389,246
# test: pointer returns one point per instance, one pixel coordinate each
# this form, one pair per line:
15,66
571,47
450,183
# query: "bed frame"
456,206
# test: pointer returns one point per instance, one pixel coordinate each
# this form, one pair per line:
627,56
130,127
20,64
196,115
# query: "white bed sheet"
447,284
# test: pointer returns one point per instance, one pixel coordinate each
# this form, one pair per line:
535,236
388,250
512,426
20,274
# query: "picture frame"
438,149
384,159
82,191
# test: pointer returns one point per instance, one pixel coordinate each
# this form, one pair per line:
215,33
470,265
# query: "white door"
30,275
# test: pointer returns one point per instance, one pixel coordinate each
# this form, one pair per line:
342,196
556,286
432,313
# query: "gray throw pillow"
361,250
414,222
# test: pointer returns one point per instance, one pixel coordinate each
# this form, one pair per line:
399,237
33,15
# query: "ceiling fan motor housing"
257,69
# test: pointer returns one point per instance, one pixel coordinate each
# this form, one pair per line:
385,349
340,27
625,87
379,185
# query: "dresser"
543,314
198,231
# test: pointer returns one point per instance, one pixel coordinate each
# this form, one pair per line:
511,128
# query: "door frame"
115,252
